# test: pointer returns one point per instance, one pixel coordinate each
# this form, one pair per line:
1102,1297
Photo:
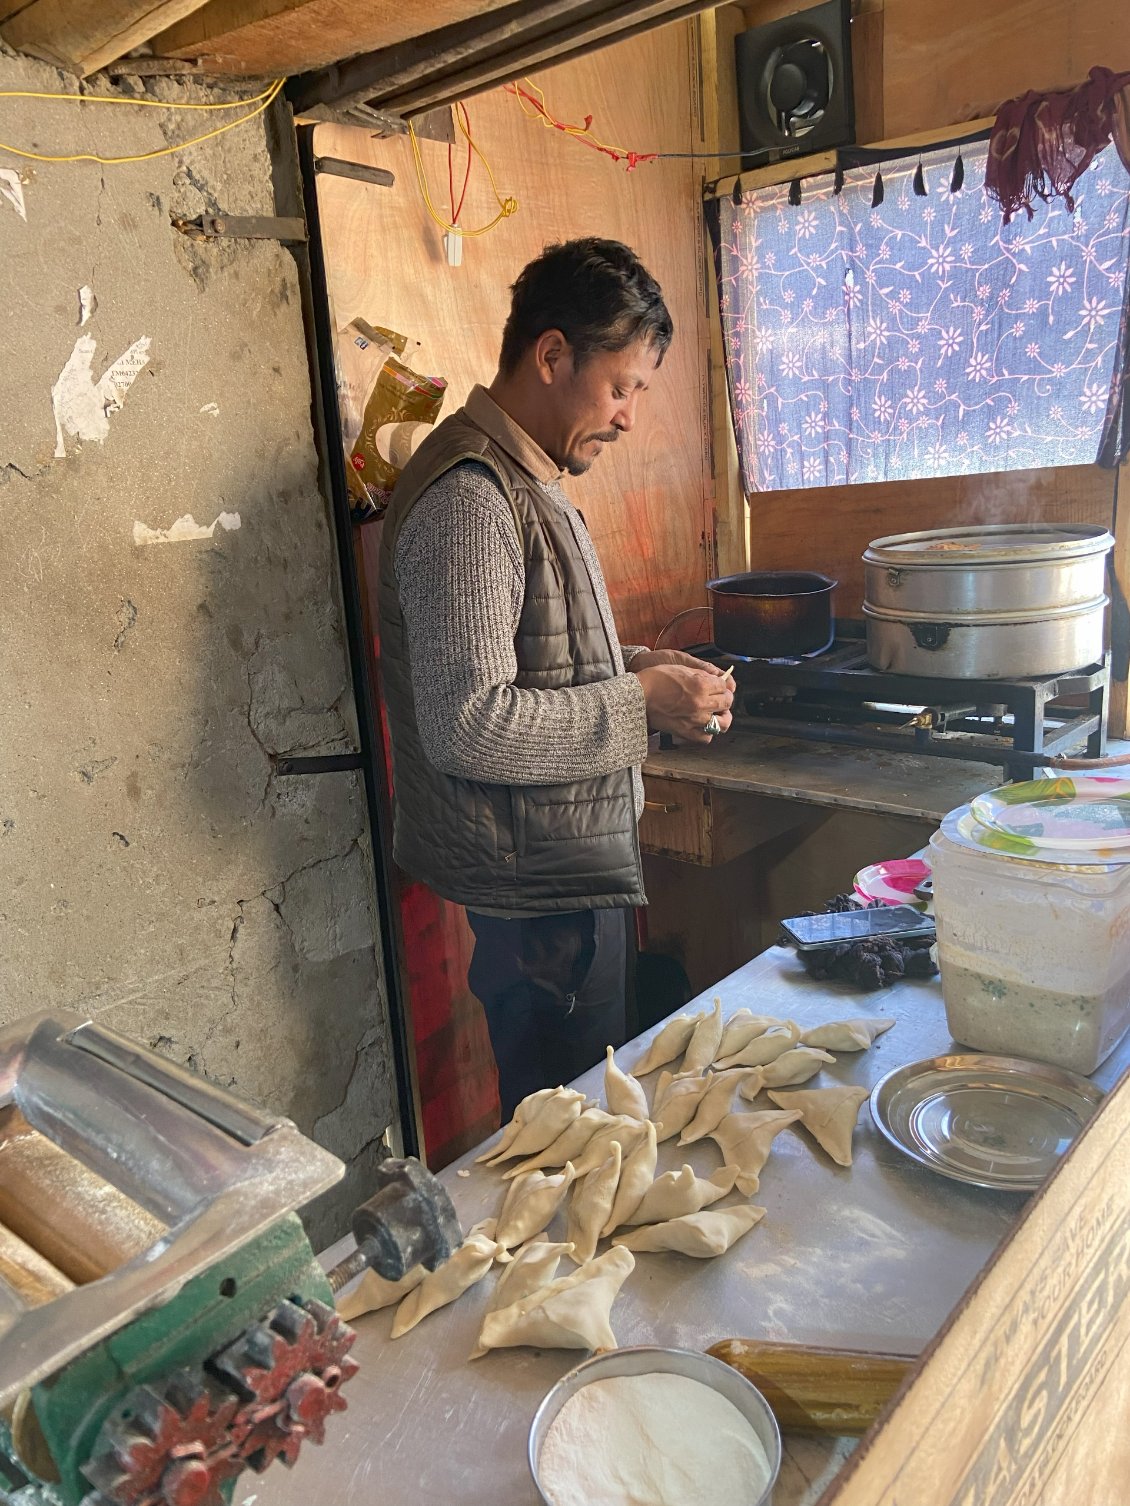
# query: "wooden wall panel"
828,528
647,501
952,60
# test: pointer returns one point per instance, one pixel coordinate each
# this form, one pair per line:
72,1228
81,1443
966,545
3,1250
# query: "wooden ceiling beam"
460,61
444,47
294,36
85,35
493,73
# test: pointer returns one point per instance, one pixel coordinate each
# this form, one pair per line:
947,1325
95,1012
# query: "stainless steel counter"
874,1256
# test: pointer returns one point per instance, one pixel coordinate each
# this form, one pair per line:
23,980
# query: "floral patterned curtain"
922,337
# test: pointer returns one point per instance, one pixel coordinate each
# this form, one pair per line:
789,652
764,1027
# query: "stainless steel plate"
994,1121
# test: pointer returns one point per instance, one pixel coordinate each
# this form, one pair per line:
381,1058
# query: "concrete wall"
153,869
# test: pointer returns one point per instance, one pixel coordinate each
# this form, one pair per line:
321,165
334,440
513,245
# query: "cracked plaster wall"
153,870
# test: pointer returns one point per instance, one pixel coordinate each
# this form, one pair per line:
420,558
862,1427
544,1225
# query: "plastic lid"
963,830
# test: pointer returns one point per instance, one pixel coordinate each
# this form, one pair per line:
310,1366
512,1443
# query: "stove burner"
834,696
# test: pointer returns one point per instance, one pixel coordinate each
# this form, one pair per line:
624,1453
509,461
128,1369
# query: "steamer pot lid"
1005,543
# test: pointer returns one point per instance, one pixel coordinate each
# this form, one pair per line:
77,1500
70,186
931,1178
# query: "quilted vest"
505,848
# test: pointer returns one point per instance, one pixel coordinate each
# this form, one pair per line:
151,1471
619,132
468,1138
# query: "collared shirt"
482,409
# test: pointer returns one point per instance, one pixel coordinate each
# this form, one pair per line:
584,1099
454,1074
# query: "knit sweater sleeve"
461,581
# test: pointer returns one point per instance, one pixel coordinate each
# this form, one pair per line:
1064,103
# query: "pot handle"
930,635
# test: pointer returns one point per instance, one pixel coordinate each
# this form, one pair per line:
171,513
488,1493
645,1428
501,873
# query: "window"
922,337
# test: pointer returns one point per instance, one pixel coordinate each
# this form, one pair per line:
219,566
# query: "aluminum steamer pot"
1012,601
772,614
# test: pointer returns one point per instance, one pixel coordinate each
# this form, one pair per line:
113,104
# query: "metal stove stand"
836,697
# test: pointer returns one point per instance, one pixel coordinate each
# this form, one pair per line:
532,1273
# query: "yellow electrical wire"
126,99
551,123
506,206
260,101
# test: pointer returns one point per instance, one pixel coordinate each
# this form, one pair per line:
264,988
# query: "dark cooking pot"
772,614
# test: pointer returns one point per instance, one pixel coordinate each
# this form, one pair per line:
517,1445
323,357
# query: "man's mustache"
608,437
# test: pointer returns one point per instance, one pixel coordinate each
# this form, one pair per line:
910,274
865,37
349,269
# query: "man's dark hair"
597,293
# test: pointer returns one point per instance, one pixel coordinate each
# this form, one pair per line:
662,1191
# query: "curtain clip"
794,192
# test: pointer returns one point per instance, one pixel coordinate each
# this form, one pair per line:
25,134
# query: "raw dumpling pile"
593,1168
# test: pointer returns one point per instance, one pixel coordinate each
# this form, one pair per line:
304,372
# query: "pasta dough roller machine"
164,1324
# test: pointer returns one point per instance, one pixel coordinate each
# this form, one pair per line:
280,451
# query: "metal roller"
73,1219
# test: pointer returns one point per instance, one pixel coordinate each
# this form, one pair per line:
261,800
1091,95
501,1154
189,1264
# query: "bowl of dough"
654,1427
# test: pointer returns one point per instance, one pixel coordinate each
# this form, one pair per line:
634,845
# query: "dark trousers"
554,991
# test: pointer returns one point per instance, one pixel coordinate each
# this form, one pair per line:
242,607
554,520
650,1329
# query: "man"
518,723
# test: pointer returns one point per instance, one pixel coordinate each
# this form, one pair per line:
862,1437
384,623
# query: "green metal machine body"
85,1410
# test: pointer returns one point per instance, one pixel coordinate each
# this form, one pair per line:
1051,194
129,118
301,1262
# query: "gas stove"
836,697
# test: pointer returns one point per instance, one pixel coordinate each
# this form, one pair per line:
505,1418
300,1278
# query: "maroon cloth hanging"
1041,144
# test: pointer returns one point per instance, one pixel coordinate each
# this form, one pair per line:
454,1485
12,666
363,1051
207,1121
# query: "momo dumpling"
545,1121
534,1266
570,1313
627,1132
636,1175
567,1147
591,1205
662,1088
702,1235
622,1092
373,1292
703,1045
763,1049
741,1028
670,1043
745,1141
715,1103
796,1065
679,1104
531,1201
677,1193
829,1115
528,1106
846,1035
470,1263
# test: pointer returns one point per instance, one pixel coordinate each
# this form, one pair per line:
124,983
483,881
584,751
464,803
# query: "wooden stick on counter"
836,1391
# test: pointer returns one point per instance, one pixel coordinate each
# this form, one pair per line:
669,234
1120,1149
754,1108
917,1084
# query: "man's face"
595,403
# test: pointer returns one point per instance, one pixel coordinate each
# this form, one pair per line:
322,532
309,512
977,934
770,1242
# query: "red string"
470,154
457,209
582,133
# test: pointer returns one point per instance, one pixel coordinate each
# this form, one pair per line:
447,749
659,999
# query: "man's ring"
713,727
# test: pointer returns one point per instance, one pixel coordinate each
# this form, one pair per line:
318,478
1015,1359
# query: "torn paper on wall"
212,409
184,529
82,405
12,191
87,304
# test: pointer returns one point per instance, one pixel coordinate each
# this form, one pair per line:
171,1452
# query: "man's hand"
683,693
